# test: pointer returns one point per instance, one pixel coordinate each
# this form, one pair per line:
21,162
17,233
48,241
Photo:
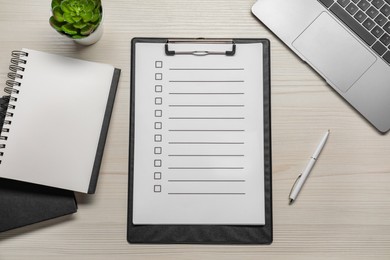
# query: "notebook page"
57,121
198,138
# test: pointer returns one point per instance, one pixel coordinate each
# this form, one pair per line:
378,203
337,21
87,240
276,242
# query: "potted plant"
80,20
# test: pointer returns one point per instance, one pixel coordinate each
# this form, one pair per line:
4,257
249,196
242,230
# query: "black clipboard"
205,234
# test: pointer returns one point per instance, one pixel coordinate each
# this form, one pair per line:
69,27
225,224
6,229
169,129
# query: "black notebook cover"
104,131
207,234
22,203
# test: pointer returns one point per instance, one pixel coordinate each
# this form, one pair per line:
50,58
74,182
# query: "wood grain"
343,210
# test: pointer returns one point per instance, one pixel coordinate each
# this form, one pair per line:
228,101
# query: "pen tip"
291,202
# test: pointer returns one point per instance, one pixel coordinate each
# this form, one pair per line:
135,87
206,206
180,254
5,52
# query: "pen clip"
292,188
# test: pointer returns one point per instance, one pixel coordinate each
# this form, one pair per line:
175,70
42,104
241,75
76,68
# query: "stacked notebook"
54,122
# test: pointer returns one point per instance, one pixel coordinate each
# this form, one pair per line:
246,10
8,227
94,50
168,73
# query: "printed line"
206,68
206,180
205,142
206,105
206,117
206,193
206,93
206,81
206,130
205,168
206,155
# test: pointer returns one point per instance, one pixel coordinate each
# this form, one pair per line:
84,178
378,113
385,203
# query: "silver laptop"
346,41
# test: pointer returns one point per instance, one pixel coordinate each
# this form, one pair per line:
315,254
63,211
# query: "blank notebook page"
57,121
198,140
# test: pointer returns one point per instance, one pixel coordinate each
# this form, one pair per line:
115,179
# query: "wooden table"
343,212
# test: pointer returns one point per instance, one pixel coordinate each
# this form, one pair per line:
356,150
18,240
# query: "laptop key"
385,10
345,17
379,48
385,39
377,31
327,3
369,24
343,3
372,12
352,9
377,3
360,16
380,20
363,4
387,27
387,57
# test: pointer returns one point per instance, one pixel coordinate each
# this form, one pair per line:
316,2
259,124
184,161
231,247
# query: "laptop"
346,41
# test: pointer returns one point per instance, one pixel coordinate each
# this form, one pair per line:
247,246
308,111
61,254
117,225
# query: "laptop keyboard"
369,19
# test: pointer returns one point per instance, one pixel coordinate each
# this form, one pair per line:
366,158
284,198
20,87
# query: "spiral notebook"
23,203
57,120
200,141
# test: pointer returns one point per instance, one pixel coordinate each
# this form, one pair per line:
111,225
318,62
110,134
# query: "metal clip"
200,52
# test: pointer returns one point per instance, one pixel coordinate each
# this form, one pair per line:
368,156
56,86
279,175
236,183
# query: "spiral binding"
17,61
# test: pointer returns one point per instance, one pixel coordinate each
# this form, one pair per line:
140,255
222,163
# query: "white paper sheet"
198,141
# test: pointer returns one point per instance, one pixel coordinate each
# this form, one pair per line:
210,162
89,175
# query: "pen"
303,176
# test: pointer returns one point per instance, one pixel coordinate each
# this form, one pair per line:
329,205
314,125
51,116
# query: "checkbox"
158,113
158,101
157,150
158,88
157,163
158,64
158,76
157,125
157,175
157,188
157,138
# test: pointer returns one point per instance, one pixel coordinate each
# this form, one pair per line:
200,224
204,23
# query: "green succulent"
76,18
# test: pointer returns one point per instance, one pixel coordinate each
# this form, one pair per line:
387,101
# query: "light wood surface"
343,211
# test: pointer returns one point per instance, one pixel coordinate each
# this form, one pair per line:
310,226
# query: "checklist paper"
198,136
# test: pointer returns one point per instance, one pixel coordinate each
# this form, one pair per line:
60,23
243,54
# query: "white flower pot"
92,38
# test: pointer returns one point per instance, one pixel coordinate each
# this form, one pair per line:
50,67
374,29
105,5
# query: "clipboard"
171,233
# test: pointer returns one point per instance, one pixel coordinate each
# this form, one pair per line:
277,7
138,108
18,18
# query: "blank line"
206,130
206,142
206,105
206,155
205,168
206,180
206,93
205,81
204,193
206,68
206,117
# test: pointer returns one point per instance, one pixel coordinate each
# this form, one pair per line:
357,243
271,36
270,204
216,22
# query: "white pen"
303,176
